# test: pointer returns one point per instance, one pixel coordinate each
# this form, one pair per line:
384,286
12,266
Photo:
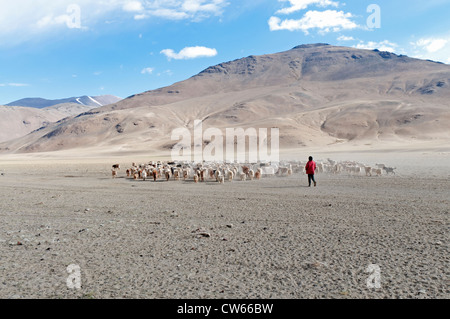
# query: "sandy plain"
273,238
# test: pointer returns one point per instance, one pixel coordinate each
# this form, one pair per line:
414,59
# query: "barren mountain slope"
16,122
315,94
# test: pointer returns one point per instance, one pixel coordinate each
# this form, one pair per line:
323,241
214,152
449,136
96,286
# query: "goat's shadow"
290,187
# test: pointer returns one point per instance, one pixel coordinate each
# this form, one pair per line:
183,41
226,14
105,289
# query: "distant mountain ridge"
40,103
317,95
18,121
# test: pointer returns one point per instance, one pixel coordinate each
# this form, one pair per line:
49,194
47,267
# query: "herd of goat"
228,172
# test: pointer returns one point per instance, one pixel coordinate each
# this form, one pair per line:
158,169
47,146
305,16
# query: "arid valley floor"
273,238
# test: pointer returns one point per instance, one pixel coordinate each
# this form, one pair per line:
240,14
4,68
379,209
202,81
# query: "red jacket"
310,168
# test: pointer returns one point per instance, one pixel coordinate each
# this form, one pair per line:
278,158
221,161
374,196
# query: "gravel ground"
273,238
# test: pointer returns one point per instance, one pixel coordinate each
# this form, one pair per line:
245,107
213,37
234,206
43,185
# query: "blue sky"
57,49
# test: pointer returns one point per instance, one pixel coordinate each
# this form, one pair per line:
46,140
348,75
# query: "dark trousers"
311,178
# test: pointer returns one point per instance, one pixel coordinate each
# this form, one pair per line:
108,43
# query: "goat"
230,176
269,171
155,175
283,171
167,173
251,174
176,174
377,171
185,174
389,170
218,174
354,170
212,174
319,168
203,174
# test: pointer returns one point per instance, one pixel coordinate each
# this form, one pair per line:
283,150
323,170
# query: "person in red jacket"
310,169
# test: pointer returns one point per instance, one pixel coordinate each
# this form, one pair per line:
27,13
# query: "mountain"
317,95
17,121
94,101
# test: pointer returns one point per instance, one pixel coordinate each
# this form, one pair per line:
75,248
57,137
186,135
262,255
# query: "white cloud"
190,53
436,48
71,20
425,49
166,72
63,20
345,38
166,13
18,84
382,46
431,45
133,6
195,10
23,20
140,16
325,21
147,71
298,5
202,5
14,84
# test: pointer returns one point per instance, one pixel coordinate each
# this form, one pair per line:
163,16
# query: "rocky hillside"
317,95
